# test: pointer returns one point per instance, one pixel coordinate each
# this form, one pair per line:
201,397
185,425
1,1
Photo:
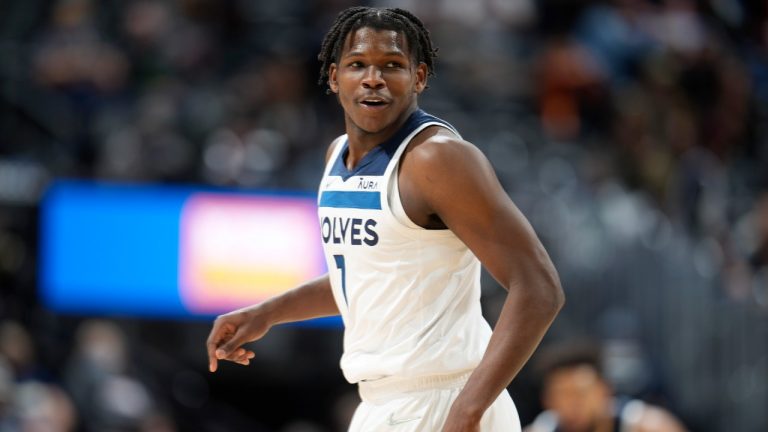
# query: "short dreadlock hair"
399,20
567,355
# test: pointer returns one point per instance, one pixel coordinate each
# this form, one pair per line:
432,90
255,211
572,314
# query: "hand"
230,332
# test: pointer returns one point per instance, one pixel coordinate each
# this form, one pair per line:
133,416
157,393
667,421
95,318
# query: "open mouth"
373,102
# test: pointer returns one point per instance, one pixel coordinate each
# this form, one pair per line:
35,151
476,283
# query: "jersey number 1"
340,265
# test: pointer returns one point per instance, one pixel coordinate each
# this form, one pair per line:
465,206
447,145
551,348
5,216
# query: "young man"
578,398
406,209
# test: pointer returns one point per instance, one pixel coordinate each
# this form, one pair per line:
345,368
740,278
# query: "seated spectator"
577,398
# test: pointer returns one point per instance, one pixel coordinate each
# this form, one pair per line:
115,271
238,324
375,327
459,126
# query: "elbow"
550,296
558,298
551,300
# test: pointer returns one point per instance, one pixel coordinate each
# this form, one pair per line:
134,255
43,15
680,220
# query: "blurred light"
626,215
22,182
125,397
152,250
708,257
742,384
235,250
625,365
508,153
557,177
660,232
588,249
223,156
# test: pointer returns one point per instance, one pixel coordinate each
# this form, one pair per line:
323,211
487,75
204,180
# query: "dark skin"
444,182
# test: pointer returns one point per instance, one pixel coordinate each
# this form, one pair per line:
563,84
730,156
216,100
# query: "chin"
371,126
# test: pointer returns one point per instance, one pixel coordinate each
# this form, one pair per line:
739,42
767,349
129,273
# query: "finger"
235,355
238,356
225,350
246,355
214,337
245,360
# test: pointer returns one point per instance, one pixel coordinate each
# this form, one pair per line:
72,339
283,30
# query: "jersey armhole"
391,201
396,204
337,144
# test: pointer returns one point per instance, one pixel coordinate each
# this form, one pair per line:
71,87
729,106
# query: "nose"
373,78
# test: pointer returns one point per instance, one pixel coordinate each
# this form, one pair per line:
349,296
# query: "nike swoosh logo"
394,422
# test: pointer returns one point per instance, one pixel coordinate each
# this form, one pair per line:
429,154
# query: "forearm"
529,309
313,299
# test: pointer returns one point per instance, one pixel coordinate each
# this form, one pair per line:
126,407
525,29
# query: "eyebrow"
386,54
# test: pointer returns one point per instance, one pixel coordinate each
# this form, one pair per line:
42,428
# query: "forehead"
582,376
367,39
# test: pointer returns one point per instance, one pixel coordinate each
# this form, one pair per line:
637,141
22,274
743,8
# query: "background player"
578,398
431,204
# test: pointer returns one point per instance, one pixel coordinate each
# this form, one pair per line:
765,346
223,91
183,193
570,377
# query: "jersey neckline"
384,150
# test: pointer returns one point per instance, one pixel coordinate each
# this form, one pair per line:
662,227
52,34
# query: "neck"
361,141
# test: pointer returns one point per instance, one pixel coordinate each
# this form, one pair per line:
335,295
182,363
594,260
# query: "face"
578,396
376,80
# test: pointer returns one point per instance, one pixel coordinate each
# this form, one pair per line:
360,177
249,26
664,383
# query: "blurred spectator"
42,407
7,392
578,398
17,346
27,402
571,89
103,384
747,277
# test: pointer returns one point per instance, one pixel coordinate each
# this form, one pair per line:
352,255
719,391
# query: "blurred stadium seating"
632,133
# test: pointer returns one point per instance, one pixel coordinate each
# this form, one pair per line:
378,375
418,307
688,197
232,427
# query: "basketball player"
578,398
408,211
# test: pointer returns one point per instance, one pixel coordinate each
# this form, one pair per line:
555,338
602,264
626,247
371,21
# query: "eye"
394,64
356,64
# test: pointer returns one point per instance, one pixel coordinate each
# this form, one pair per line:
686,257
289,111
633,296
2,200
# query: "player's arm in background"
453,180
313,299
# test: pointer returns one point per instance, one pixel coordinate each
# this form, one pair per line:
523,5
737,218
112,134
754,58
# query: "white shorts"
422,405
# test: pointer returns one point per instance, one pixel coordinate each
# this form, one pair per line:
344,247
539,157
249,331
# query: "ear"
332,69
421,78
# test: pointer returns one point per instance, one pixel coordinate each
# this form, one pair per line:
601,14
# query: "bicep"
461,187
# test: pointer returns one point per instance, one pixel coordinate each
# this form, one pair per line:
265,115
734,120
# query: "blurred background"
632,133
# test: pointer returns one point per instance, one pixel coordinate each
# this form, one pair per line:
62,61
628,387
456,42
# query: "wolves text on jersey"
352,231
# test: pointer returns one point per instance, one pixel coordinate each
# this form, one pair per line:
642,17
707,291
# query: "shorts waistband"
384,388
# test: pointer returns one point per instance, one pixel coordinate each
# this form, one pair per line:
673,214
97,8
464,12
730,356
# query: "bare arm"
456,183
230,331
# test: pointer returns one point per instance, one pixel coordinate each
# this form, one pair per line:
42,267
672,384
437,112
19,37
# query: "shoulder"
447,173
650,418
438,148
332,147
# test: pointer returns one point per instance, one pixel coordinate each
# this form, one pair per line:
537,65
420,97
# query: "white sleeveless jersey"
409,297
